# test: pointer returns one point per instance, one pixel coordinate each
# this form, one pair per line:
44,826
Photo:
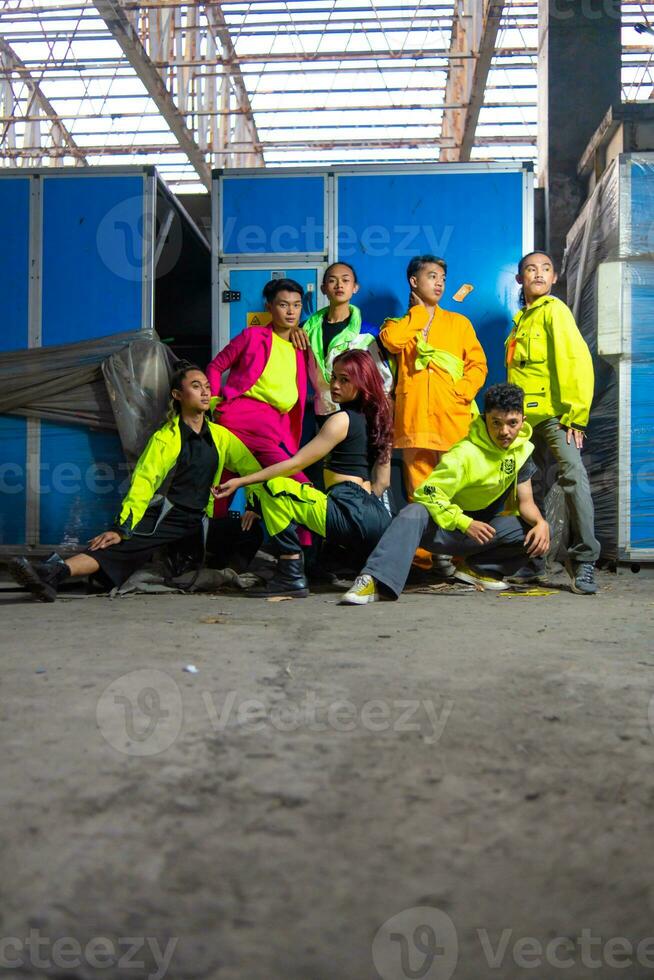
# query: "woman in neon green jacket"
549,359
169,495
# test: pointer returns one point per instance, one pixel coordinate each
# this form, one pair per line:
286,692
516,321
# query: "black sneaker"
41,580
582,577
289,580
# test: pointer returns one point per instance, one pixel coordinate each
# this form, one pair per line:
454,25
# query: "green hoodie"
471,475
355,336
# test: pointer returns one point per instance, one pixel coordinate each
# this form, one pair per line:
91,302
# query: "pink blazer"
245,357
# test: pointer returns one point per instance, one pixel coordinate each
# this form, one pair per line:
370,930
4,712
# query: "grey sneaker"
582,577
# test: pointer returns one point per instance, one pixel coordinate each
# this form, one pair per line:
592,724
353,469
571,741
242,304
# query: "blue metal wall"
92,257
90,246
14,262
641,475
273,214
13,479
472,220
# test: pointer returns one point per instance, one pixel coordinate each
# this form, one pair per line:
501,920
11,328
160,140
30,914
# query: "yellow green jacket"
158,459
471,475
549,359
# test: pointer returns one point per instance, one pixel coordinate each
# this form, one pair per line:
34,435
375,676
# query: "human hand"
481,532
104,540
248,519
537,540
226,489
298,337
577,434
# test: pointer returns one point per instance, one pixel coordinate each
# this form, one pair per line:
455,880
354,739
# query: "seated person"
355,444
188,446
478,502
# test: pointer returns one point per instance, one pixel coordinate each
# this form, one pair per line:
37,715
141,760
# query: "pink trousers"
266,434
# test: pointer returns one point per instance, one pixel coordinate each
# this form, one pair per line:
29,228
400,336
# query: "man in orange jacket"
440,368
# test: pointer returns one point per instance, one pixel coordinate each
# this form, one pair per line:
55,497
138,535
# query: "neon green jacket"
158,460
549,359
357,335
471,475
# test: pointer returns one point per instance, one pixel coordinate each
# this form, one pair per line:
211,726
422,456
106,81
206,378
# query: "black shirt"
351,457
331,330
525,473
195,468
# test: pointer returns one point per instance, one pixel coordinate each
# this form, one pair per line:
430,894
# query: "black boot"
289,580
42,579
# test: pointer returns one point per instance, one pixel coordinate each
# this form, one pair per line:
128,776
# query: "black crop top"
351,457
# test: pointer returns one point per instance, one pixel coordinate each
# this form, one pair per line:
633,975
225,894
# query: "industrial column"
579,55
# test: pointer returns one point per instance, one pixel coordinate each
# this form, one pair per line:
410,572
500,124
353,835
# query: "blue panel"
641,275
83,479
13,439
14,261
250,283
92,257
273,215
472,220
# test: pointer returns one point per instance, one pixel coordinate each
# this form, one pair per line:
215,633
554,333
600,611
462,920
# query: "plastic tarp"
118,382
610,281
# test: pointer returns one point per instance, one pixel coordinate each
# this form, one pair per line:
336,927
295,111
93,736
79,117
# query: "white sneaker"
363,591
464,573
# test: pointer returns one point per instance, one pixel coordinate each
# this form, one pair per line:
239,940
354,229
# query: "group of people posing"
247,422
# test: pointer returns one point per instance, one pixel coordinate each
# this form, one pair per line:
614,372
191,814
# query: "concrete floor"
447,786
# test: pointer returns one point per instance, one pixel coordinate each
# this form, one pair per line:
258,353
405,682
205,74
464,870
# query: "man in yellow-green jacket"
549,359
476,504
168,500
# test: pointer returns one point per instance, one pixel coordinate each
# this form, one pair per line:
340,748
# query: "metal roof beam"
13,65
115,18
218,26
474,33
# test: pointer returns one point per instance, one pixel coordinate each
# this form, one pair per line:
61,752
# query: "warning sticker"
258,319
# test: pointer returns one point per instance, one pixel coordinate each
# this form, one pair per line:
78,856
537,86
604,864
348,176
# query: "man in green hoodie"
477,502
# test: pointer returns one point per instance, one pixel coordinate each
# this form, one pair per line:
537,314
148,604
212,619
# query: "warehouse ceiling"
193,86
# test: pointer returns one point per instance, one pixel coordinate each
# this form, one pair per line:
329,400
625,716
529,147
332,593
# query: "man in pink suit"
262,400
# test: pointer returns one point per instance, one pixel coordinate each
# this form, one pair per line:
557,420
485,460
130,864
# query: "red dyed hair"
371,399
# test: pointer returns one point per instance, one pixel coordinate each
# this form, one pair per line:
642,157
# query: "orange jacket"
432,411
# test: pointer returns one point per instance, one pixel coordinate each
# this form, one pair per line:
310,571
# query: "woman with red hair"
355,444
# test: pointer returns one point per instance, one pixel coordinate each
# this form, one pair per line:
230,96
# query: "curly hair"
504,398
371,399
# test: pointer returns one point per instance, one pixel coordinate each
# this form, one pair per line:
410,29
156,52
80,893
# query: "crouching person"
187,454
477,504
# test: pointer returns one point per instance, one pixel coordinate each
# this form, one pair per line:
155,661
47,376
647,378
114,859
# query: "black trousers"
120,560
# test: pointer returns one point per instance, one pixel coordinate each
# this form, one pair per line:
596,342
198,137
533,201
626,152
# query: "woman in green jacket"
548,358
169,495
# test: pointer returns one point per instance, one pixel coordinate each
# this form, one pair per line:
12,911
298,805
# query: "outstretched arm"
333,431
